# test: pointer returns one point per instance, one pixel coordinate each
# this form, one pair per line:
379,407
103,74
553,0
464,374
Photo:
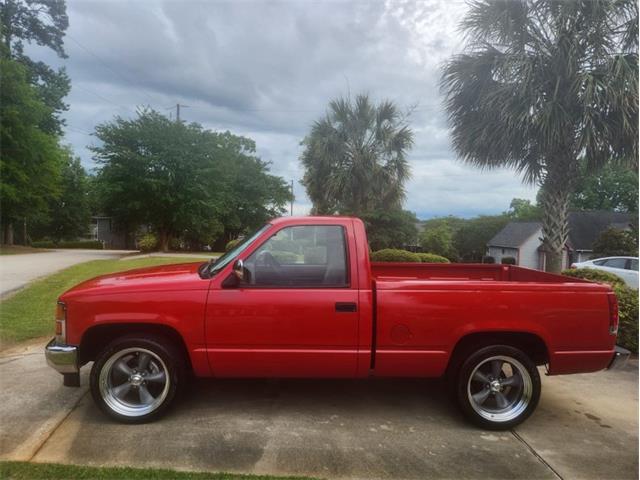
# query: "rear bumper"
63,358
619,358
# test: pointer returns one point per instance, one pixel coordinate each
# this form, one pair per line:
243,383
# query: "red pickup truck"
299,298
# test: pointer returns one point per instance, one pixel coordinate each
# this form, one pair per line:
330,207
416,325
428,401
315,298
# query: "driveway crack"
536,454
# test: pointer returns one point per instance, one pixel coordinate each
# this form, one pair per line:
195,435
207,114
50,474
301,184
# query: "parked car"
625,267
299,298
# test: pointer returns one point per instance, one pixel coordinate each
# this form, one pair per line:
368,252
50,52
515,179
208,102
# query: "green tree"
614,242
183,180
30,158
472,237
545,87
69,214
394,228
613,188
355,158
523,209
439,240
43,23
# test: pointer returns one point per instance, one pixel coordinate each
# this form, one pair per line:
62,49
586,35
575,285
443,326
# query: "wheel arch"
530,343
96,338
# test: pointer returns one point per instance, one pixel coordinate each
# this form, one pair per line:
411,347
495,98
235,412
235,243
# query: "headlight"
61,322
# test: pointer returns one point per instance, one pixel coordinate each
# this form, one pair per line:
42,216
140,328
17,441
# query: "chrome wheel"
134,382
499,388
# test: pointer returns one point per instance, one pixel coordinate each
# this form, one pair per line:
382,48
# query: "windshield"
231,255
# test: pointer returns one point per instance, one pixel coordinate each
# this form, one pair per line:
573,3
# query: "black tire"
109,375
502,401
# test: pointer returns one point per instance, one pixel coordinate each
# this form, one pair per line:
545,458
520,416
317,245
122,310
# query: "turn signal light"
614,314
61,318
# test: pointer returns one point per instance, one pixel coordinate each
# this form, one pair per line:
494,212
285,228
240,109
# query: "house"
522,240
102,229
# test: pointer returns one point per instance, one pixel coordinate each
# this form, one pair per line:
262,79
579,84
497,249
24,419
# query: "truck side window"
301,256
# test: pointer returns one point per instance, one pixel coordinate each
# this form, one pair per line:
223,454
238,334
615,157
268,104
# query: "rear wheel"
135,379
498,387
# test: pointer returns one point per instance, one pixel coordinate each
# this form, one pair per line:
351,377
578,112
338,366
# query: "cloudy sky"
267,69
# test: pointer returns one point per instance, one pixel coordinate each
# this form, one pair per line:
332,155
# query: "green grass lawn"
30,312
18,249
53,471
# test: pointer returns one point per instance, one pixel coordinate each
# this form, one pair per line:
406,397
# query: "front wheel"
498,387
135,379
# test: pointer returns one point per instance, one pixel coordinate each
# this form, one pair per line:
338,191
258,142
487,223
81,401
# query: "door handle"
346,307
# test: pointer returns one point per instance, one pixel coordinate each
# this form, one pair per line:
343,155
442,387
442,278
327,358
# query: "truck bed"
393,271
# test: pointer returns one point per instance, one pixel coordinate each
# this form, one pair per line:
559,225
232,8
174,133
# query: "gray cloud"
268,69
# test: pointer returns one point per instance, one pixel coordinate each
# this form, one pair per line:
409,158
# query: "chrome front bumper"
63,358
619,358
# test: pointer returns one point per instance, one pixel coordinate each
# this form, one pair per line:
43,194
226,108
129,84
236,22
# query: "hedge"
627,303
89,244
599,276
394,255
432,258
508,260
488,259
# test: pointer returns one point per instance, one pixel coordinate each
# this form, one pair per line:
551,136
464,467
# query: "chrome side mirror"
238,269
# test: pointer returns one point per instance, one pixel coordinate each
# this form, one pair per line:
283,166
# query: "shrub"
628,307
508,260
231,244
488,259
285,257
614,242
88,244
599,276
175,243
148,242
627,303
432,258
394,255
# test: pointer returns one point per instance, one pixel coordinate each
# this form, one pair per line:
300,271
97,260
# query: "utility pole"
292,198
178,106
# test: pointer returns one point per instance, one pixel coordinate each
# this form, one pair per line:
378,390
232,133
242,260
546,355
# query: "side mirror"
238,269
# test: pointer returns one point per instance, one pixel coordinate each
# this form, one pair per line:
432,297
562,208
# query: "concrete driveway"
18,270
585,427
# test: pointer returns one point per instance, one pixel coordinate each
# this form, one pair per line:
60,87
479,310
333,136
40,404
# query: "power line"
102,97
104,64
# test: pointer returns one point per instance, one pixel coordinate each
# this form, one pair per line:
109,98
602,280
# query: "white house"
523,240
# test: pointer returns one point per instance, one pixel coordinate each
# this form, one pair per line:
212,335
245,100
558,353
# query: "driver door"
295,314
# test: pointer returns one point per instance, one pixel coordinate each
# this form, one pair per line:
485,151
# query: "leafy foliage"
68,214
31,159
546,87
472,237
522,209
432,258
43,23
394,255
231,244
439,240
508,260
87,244
183,180
612,188
614,242
594,275
355,158
148,242
627,303
390,228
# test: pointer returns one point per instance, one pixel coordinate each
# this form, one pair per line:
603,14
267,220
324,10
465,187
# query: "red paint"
419,312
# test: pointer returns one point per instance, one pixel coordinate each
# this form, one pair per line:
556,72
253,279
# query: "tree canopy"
355,158
613,188
545,87
183,180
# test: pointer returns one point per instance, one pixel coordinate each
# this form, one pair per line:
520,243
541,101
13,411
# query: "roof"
586,227
514,234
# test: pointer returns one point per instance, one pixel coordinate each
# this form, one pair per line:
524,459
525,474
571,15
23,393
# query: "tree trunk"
163,241
8,234
555,211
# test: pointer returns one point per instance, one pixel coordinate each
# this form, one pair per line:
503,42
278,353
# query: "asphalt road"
18,270
585,427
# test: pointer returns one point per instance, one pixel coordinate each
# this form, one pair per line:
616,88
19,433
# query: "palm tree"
545,87
355,158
